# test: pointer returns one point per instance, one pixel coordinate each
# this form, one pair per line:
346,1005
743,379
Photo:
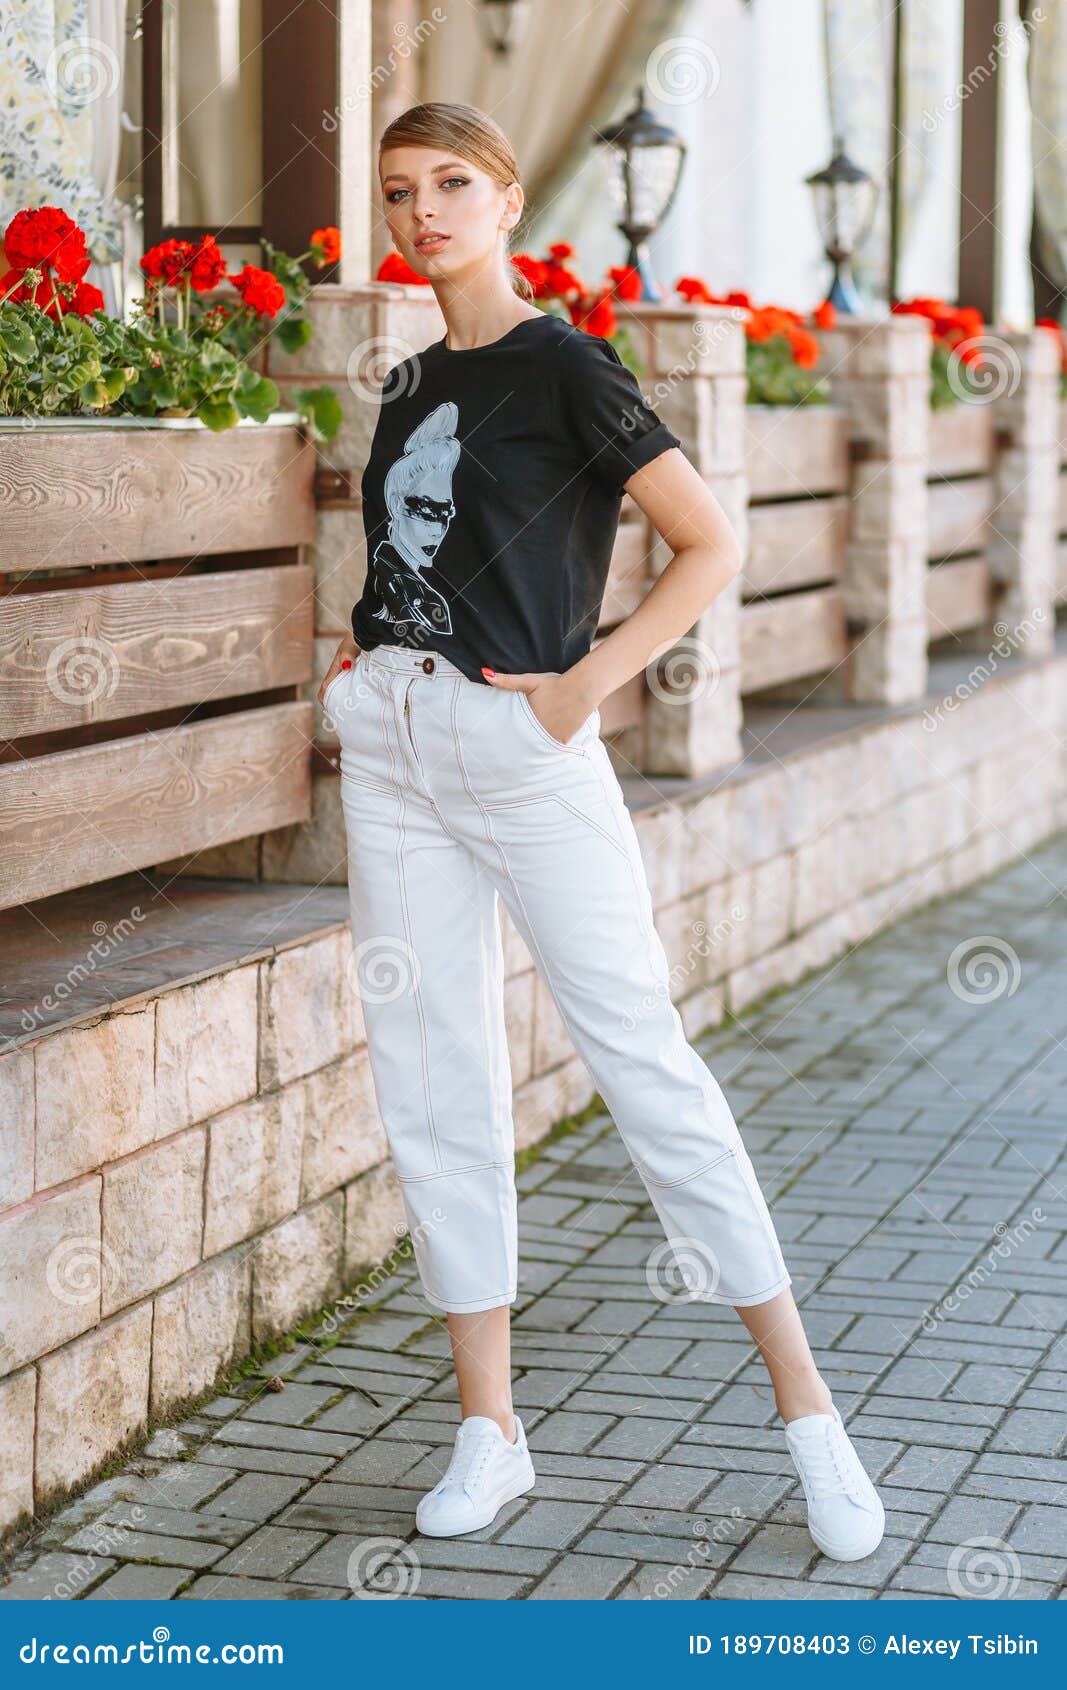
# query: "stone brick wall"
196,1172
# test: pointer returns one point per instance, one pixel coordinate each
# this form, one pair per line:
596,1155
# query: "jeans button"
427,664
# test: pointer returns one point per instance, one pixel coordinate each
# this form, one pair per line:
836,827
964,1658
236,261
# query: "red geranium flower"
46,237
595,316
261,292
535,271
168,261
824,316
626,283
561,250
326,245
394,268
207,267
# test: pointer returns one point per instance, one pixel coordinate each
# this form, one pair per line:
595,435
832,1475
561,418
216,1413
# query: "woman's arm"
684,511
707,556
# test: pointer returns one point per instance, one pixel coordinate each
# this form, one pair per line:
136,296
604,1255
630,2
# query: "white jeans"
454,794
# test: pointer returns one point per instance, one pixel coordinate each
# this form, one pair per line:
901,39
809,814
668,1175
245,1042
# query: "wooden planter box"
157,629
793,621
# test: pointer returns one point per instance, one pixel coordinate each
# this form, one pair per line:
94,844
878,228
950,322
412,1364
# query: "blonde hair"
473,135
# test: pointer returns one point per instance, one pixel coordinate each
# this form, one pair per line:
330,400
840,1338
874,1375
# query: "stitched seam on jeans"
447,1173
648,925
535,722
554,798
416,991
685,1178
453,1304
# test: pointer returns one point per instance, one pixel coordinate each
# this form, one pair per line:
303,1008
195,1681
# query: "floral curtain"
61,76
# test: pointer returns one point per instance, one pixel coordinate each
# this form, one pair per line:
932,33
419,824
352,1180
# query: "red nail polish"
489,672
346,663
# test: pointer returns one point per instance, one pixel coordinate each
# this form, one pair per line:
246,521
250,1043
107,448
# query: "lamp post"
643,162
503,23
845,198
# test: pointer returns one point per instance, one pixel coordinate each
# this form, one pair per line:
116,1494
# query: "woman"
472,769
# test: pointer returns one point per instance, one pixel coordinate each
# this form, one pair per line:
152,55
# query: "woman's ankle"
801,1397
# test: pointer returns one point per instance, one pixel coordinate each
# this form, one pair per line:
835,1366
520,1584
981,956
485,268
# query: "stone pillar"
694,362
1023,533
879,372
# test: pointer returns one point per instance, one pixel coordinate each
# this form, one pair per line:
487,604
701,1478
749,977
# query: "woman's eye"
460,181
394,194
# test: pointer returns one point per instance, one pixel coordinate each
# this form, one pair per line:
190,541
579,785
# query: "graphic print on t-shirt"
418,497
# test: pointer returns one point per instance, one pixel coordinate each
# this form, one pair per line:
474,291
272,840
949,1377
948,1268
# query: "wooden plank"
75,817
70,497
795,450
799,543
628,578
95,654
958,595
961,440
799,634
958,515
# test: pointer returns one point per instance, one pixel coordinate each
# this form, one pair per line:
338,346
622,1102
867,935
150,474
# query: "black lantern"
845,198
503,23
643,160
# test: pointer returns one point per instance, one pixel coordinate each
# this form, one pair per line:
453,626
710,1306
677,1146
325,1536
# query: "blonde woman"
472,771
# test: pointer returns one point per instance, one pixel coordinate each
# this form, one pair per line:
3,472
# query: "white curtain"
61,82
1047,68
578,64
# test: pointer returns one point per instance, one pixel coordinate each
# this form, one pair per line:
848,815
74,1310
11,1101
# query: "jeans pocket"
576,745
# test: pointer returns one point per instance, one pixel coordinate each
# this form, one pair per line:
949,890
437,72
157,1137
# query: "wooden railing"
156,628
793,621
960,499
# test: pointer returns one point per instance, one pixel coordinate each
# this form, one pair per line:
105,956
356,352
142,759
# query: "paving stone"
582,1578
254,1496
550,1525
1042,1530
271,1552
211,1587
56,1577
133,1583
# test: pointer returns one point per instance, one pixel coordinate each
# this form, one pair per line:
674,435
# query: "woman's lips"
431,243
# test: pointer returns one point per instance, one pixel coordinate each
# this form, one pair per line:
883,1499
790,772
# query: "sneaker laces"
827,1464
472,1453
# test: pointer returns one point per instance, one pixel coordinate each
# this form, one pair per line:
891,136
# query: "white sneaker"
485,1472
845,1513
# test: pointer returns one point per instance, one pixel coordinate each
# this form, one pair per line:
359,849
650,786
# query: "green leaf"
257,400
321,410
18,341
218,414
292,333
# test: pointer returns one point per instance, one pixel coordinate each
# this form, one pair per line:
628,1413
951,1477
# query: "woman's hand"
561,703
343,657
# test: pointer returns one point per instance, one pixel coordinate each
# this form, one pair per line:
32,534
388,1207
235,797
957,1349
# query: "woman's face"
445,215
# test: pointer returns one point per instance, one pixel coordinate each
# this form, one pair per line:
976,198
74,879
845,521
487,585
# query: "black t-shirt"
491,497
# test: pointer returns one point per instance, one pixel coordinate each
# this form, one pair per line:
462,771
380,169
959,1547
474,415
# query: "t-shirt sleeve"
614,431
